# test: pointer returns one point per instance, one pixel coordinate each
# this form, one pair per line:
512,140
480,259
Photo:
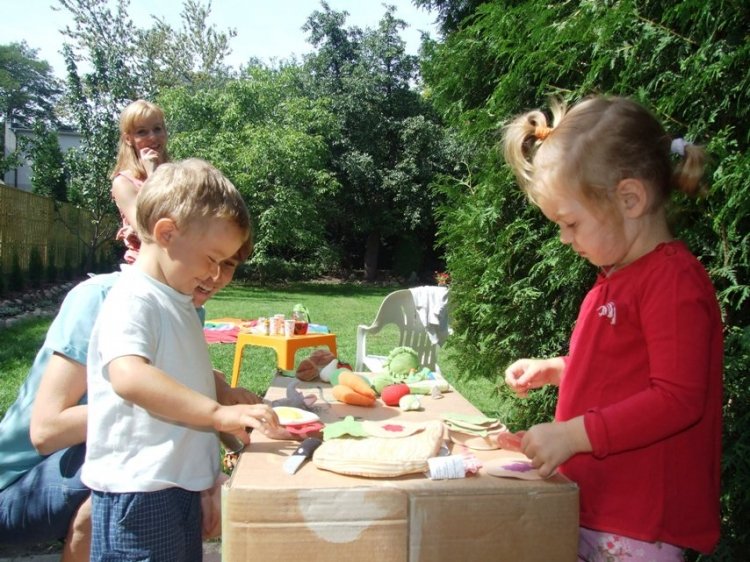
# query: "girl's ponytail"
688,172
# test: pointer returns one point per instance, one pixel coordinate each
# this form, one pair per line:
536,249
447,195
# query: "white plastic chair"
398,308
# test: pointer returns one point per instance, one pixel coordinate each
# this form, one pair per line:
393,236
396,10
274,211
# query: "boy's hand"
548,445
235,419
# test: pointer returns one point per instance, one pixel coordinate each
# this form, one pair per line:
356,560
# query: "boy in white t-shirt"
153,419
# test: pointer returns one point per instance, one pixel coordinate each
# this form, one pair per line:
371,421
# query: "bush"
16,282
50,272
36,268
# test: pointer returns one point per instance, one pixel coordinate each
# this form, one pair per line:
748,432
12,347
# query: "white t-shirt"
128,449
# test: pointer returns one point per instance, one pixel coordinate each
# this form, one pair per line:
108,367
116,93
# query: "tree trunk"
372,248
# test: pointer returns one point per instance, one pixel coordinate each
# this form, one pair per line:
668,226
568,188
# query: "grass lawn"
341,307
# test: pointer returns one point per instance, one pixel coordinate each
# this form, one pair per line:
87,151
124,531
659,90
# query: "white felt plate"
294,416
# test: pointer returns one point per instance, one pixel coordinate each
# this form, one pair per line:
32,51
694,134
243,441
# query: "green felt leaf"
348,426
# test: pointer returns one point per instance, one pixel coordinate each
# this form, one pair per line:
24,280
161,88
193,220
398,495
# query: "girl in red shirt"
638,420
142,147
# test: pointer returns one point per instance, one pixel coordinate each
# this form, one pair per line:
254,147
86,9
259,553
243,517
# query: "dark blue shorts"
162,526
39,506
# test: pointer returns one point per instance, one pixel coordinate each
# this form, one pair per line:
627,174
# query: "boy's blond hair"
188,192
127,156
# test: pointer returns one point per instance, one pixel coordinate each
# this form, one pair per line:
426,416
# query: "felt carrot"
350,396
356,383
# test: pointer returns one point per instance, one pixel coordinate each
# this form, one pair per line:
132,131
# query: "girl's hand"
548,445
526,374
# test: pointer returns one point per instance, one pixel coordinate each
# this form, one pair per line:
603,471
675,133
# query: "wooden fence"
39,231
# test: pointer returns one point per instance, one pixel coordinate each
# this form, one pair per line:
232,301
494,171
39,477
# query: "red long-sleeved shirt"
645,370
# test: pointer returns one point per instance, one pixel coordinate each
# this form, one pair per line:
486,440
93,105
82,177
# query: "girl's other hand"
526,374
548,445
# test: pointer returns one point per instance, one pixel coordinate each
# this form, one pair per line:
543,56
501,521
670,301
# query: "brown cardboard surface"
319,515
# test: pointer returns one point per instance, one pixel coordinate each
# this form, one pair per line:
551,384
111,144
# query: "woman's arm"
124,193
57,420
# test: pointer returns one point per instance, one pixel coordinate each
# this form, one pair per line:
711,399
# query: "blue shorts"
162,526
39,506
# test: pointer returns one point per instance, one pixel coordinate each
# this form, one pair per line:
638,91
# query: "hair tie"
541,132
678,146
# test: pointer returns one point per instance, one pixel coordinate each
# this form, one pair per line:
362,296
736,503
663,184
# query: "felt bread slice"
380,457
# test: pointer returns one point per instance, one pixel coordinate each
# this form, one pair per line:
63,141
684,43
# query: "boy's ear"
632,197
164,231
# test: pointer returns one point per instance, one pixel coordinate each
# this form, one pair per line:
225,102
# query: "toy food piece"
409,402
310,368
348,395
355,382
393,393
510,441
474,431
295,416
401,362
379,382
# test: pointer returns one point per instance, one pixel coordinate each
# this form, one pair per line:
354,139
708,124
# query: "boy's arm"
227,395
136,380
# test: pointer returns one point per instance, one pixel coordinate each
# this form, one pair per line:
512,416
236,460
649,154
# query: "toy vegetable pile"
351,388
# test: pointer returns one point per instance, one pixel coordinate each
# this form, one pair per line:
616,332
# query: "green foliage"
28,90
50,272
270,141
48,164
515,289
36,268
390,144
16,280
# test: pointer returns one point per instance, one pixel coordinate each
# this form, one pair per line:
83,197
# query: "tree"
48,175
391,143
271,141
28,93
28,90
192,56
451,13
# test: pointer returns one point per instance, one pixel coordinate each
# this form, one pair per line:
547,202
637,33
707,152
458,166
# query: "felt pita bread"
381,457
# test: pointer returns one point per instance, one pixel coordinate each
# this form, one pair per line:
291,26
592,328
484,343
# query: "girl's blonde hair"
127,156
593,146
189,192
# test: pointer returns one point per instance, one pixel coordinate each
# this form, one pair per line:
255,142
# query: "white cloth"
129,449
431,303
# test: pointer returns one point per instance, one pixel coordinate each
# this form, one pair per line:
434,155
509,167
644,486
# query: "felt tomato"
392,393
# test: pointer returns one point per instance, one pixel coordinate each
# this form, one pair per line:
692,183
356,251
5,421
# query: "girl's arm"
57,420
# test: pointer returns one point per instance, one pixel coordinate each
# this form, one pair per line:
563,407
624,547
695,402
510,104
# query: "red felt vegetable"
392,393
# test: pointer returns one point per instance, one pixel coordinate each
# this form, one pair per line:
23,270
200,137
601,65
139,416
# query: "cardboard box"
316,515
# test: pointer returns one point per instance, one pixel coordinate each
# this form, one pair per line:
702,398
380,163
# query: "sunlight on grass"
341,307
